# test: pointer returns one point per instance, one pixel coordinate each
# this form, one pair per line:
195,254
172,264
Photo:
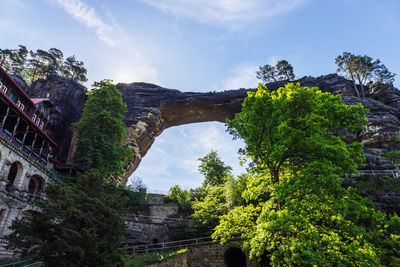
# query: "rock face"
153,109
67,97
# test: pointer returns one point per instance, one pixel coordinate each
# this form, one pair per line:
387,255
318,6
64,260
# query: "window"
41,125
34,117
37,121
20,105
3,87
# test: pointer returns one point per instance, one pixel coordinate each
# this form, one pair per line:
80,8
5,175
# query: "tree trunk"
355,89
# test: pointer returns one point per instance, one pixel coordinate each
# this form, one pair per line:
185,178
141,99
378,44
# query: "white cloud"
243,76
225,11
86,15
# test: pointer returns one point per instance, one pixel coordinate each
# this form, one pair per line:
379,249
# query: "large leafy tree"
101,131
214,169
361,69
296,211
79,225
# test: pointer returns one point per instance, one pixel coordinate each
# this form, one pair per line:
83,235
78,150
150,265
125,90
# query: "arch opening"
35,187
234,257
14,172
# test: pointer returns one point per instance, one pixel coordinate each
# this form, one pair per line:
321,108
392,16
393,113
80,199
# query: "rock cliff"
67,97
153,109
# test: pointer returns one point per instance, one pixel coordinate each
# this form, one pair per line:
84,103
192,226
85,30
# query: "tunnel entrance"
234,257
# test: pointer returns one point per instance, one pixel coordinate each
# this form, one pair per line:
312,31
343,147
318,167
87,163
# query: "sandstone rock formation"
152,109
67,97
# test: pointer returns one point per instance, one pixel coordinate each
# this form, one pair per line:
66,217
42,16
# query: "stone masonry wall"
208,255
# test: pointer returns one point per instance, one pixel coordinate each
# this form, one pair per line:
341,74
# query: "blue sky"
201,45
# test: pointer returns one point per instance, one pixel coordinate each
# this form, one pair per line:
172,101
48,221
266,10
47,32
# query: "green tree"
101,131
282,71
207,212
79,225
296,211
180,197
361,69
214,170
74,69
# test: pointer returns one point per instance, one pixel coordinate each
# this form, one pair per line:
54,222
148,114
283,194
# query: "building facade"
26,161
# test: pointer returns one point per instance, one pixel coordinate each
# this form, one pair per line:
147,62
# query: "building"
26,161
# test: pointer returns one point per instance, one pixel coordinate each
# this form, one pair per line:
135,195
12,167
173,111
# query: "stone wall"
145,232
162,211
14,198
208,255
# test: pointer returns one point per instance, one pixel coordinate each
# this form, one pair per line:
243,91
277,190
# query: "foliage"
79,225
142,259
207,212
136,194
179,196
282,71
363,68
296,211
214,170
184,198
291,127
32,65
233,190
101,131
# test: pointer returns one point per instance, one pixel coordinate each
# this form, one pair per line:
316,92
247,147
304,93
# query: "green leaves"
78,225
101,131
214,170
297,213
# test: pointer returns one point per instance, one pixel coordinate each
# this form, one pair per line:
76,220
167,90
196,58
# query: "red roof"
39,100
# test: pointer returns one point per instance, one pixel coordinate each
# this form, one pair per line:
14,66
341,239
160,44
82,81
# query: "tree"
361,69
74,69
79,225
282,71
207,212
296,211
101,131
214,170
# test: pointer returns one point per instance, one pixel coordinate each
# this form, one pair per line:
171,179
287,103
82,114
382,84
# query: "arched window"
35,187
234,257
14,172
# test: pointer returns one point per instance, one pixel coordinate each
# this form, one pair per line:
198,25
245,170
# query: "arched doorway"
14,173
35,187
234,257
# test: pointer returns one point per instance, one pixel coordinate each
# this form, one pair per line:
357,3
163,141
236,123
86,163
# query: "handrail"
139,217
173,244
392,172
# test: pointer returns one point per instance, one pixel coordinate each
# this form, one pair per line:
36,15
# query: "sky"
201,46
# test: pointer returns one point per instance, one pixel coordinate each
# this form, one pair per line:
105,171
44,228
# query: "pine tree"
79,225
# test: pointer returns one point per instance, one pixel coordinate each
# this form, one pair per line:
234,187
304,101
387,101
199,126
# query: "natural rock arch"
152,109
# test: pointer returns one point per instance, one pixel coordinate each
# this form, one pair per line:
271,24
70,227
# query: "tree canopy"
32,65
296,211
101,131
282,71
214,170
79,224
361,69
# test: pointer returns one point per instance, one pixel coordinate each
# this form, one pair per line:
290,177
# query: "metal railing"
173,245
152,219
166,246
24,149
392,173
